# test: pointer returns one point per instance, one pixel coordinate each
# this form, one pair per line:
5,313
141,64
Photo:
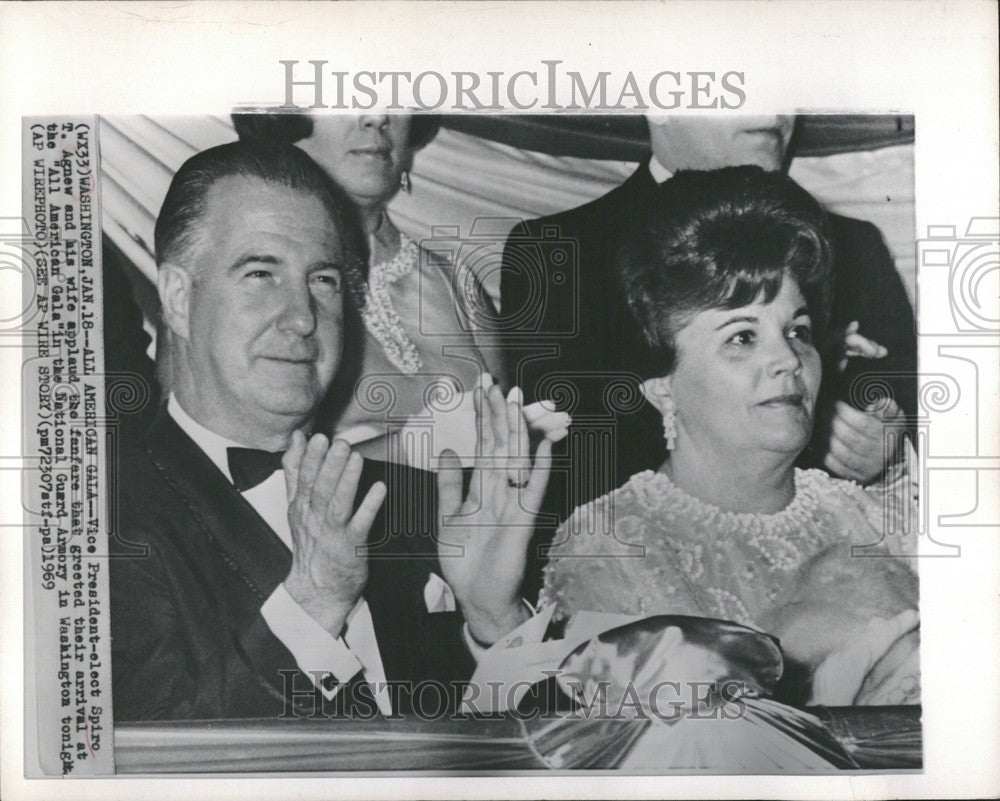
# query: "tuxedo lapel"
402,554
412,642
246,542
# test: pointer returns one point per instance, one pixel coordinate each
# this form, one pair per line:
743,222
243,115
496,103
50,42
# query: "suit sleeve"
515,289
536,305
317,652
415,643
869,289
161,672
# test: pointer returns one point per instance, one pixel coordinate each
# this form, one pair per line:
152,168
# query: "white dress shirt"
317,653
658,171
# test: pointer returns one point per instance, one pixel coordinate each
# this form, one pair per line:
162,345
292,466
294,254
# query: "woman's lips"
380,153
778,401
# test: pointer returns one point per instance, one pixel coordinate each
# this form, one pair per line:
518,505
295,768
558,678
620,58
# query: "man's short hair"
719,239
180,223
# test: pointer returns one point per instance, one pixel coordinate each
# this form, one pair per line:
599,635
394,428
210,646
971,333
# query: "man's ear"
658,392
173,284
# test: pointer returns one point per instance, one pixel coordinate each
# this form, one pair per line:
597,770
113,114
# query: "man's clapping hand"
856,449
328,572
483,540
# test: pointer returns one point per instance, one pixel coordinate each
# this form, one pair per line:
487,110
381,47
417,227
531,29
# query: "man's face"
708,143
265,306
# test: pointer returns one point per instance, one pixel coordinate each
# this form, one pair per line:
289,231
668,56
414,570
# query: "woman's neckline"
803,502
385,241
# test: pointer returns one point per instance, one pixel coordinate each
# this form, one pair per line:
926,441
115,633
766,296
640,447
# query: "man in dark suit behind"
572,338
239,589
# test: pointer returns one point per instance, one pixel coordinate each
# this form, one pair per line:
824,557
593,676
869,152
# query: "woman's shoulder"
889,506
596,526
608,545
837,496
586,569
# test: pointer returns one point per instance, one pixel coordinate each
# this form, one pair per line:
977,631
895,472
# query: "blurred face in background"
708,143
365,155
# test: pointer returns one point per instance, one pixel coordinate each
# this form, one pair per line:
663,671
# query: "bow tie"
250,466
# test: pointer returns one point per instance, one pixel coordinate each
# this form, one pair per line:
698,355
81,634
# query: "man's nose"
298,313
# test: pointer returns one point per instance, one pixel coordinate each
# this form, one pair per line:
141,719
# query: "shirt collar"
658,171
212,444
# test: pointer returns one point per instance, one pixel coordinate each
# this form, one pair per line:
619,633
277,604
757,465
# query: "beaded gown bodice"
650,547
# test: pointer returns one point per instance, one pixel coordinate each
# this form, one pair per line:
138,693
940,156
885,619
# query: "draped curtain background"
480,175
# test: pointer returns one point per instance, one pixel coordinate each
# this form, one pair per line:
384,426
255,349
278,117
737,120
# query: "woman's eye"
258,274
741,338
803,333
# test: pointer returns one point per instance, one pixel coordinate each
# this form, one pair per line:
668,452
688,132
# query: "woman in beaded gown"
727,274
411,395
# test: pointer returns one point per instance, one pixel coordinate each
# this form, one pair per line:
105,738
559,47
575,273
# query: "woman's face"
364,154
746,379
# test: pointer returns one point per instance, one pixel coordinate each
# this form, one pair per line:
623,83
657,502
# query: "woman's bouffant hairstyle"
720,239
295,125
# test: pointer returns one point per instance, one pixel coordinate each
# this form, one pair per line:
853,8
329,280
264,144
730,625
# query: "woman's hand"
483,540
839,677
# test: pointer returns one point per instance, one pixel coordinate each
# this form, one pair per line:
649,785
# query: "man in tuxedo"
258,571
572,335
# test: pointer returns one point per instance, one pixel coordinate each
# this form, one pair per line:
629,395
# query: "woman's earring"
669,422
404,181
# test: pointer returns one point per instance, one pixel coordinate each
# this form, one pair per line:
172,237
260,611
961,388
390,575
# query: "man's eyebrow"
801,311
253,258
326,265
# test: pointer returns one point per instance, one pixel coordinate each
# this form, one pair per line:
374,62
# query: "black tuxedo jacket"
192,564
573,340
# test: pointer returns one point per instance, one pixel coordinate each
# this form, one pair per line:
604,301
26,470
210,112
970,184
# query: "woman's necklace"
380,315
664,501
